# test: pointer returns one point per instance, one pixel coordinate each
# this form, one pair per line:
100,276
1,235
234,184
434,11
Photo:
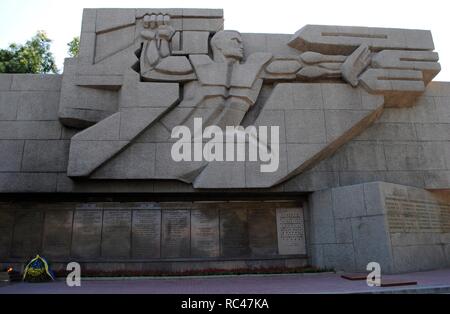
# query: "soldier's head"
227,44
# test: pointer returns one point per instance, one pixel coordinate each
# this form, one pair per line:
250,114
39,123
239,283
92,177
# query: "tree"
74,47
32,57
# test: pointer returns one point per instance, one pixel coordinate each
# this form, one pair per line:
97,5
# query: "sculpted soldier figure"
221,83
227,84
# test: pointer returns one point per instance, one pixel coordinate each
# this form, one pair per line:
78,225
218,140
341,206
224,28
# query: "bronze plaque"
6,231
57,233
146,233
234,233
205,233
262,232
27,233
116,234
175,233
87,232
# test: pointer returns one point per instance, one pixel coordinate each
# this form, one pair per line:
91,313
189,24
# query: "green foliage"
33,57
74,47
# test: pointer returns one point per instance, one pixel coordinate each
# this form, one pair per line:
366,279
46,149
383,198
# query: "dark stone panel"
57,233
234,232
87,232
27,237
146,234
205,233
6,231
262,232
116,234
175,233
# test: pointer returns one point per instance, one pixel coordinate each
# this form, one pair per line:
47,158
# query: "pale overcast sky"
20,19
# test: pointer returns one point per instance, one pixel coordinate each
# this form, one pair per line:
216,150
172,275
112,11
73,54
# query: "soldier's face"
234,47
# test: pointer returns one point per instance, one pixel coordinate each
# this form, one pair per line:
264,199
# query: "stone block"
27,237
109,19
209,13
32,130
116,234
305,126
411,258
360,156
6,232
340,121
195,42
436,179
57,234
340,257
343,229
5,82
27,182
87,48
348,201
9,103
11,155
291,232
89,20
371,242
199,24
433,131
442,109
36,82
45,156
341,96
358,177
87,233
323,231
312,181
389,132
374,199
38,106
109,43
136,162
411,178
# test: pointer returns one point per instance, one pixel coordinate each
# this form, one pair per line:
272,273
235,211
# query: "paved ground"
428,282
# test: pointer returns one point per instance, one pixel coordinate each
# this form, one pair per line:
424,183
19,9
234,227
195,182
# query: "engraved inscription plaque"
116,234
417,216
205,233
27,234
87,232
262,231
6,230
175,233
234,233
291,231
146,233
57,233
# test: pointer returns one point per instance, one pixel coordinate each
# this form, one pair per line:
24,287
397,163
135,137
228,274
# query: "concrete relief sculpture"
322,86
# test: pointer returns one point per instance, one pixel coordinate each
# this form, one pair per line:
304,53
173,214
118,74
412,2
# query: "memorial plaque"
291,231
262,232
175,233
6,231
146,233
205,233
57,233
116,234
234,233
417,216
27,233
87,233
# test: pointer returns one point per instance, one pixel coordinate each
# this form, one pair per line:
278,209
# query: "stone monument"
361,152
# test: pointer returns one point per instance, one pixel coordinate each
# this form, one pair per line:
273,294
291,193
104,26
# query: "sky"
20,19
